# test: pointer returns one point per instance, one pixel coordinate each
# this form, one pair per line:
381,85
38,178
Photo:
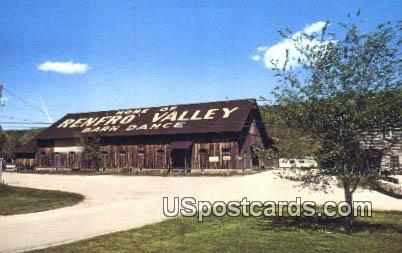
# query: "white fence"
297,163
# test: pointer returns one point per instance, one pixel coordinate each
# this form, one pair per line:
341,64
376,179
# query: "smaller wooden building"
384,148
216,135
25,156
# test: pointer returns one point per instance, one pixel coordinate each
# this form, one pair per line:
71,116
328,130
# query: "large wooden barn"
217,135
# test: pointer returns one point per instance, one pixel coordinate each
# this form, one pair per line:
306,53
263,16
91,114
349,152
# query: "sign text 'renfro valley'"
163,118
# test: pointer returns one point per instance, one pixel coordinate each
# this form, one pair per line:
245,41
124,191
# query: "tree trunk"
348,220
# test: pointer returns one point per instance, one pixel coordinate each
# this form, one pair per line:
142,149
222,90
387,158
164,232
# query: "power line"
23,101
24,123
20,128
13,118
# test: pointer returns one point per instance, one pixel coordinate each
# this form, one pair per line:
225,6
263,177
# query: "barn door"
141,159
181,158
57,160
203,159
71,160
255,160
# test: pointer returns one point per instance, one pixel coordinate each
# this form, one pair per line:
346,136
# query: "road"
115,203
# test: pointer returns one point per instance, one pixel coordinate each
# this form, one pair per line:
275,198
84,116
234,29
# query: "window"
141,158
203,151
160,158
394,162
374,162
292,161
255,160
226,151
204,160
57,160
71,155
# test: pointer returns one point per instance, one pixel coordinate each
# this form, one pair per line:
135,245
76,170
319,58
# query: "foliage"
91,157
345,85
6,145
10,140
290,141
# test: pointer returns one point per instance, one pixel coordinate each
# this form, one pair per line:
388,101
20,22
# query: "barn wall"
158,156
25,163
209,151
44,157
135,156
250,143
47,158
148,156
216,155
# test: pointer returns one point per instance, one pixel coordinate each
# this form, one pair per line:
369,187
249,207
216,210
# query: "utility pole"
1,95
1,171
1,159
1,98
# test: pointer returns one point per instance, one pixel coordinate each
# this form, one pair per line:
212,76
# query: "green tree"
290,141
344,84
6,146
92,152
10,140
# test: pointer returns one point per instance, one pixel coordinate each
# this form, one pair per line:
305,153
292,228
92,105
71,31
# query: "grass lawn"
381,233
18,200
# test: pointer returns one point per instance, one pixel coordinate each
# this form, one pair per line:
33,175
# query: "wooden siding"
203,151
135,156
25,163
47,158
158,156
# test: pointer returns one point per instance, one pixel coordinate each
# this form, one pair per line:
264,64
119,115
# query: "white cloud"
69,67
255,57
277,52
314,28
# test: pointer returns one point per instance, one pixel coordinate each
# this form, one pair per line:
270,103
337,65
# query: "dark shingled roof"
234,123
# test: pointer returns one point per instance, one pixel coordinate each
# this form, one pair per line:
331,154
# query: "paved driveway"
114,203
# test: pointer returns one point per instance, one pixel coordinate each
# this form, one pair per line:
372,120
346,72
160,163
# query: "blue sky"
127,54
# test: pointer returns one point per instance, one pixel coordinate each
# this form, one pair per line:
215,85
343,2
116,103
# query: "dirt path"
115,203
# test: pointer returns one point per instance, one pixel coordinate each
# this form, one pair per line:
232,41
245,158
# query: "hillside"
289,140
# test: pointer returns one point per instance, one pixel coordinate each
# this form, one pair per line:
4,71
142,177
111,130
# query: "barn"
216,135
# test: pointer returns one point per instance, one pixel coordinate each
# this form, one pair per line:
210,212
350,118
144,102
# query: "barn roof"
213,117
